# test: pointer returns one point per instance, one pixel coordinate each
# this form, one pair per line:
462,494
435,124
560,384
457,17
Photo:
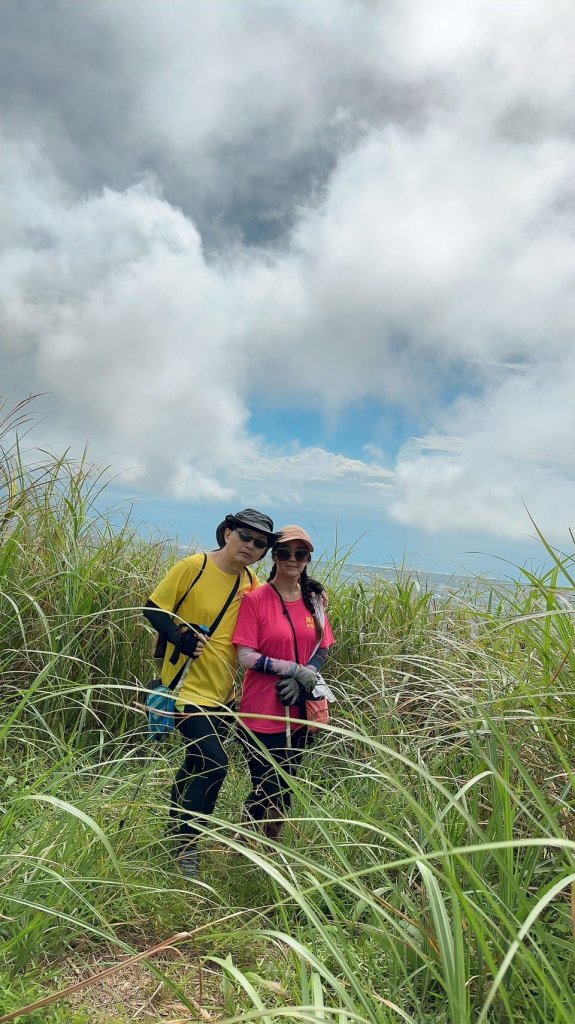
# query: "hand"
306,676
288,691
200,646
189,644
193,643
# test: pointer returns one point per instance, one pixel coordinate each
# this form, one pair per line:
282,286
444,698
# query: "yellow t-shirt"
210,679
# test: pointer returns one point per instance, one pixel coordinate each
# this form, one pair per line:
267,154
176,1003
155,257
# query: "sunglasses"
246,537
284,554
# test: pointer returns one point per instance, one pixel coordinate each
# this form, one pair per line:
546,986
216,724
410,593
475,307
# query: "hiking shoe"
189,864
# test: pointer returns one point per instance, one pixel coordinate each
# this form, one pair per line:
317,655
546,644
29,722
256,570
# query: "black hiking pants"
271,792
199,780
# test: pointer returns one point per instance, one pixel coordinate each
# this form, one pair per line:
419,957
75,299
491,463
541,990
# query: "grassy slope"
427,871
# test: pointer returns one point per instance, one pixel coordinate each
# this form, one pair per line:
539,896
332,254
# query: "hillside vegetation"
428,871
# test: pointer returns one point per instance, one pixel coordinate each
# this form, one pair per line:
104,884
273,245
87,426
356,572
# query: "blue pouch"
161,705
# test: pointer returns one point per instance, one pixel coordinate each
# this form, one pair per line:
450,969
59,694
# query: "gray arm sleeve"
248,658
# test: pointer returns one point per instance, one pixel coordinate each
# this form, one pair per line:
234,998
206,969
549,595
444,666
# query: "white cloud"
514,457
312,464
420,159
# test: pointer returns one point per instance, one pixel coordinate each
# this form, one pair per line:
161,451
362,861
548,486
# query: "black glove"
191,637
288,691
189,643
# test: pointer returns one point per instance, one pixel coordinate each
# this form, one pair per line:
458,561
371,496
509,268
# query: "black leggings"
271,793
199,780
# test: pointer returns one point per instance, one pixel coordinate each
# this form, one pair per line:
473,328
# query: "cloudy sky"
316,257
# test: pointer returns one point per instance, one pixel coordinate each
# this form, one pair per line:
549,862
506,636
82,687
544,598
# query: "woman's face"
290,568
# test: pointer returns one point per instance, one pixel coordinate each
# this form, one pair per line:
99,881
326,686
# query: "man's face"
245,545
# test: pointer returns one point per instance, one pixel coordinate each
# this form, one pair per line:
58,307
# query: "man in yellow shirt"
195,609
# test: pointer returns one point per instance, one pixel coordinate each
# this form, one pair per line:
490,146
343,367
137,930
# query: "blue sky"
363,536
316,258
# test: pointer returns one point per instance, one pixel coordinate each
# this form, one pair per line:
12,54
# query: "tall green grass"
428,869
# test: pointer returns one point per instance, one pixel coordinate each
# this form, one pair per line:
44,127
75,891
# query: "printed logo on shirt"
309,621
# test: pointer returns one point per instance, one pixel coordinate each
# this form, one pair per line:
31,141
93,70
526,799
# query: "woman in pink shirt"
282,636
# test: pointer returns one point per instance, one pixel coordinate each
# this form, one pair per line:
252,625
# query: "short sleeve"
175,584
246,631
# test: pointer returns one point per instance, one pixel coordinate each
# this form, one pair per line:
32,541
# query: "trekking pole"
288,728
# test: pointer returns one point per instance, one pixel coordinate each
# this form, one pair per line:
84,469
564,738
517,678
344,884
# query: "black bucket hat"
251,518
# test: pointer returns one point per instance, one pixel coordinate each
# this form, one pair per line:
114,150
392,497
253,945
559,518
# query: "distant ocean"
475,588
440,583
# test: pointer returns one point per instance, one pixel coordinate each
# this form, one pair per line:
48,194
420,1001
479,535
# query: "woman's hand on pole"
307,677
289,691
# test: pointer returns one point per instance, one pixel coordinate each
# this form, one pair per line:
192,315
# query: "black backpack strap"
223,611
233,593
192,584
175,656
214,624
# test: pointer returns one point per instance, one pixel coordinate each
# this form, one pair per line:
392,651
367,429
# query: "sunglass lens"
284,554
258,542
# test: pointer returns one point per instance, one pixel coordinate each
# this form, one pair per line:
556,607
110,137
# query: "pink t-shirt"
263,626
